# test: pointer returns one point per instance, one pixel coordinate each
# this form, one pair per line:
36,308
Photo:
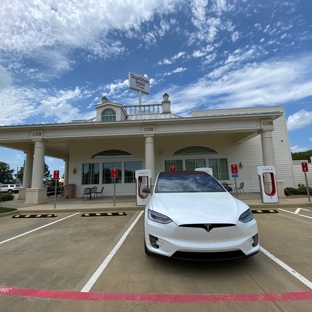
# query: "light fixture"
240,165
74,171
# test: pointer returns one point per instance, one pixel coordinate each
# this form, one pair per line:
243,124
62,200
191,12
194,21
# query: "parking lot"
71,262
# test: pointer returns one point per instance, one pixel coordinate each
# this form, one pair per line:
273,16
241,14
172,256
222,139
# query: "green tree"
47,177
302,155
19,175
6,174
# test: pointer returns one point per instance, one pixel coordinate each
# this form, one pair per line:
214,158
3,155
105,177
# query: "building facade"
151,137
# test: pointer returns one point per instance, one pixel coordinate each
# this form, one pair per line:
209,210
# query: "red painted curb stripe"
174,298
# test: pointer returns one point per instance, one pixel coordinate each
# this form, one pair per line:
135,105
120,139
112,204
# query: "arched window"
194,150
114,159
112,154
192,157
108,114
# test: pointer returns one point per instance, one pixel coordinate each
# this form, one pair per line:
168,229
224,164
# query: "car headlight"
158,217
246,216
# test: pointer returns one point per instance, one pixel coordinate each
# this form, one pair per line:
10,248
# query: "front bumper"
198,244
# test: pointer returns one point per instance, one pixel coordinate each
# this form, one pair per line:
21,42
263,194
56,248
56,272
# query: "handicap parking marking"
296,212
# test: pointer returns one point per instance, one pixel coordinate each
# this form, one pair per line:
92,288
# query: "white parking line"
298,210
288,268
41,227
297,214
104,264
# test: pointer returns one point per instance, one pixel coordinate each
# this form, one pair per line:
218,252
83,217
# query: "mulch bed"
297,196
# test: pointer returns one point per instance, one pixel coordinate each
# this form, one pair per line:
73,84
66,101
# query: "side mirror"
146,190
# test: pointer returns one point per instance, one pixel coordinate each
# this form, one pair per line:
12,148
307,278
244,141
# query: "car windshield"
185,182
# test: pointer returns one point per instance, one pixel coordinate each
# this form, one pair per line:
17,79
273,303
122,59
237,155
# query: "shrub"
6,197
290,191
301,190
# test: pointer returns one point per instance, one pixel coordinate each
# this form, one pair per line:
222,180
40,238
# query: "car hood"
194,208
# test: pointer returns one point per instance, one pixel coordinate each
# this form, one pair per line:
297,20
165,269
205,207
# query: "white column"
66,171
149,155
38,165
267,149
28,167
268,157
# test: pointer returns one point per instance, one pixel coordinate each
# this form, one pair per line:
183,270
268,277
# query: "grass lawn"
3,209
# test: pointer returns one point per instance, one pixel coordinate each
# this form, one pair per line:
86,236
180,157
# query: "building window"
220,168
90,174
107,168
219,165
176,162
192,164
108,114
194,150
112,154
130,168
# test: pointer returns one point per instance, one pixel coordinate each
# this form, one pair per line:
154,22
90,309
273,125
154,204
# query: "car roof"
182,172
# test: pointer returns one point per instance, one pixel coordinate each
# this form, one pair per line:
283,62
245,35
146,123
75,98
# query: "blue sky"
58,58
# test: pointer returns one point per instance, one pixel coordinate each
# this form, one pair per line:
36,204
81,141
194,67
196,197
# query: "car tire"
10,191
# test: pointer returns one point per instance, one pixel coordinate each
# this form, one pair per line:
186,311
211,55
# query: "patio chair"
94,190
100,192
227,187
86,192
240,187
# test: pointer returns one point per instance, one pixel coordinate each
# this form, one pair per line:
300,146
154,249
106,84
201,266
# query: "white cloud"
114,88
172,59
268,83
209,58
50,30
20,104
297,148
28,26
175,71
299,120
198,53
235,36
5,78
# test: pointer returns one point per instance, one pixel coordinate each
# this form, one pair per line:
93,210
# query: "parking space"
104,255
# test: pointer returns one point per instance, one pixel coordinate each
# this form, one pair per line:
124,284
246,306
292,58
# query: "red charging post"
305,169
173,168
56,176
114,175
234,171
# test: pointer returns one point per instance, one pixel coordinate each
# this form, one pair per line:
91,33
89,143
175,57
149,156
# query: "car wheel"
10,191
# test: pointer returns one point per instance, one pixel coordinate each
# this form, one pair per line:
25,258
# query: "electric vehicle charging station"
208,170
267,175
143,179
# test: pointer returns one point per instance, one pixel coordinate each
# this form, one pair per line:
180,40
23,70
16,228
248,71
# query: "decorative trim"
99,131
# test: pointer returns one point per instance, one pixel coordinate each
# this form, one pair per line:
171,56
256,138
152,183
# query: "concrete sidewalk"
253,200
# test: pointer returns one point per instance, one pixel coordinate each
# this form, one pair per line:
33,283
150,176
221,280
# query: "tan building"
151,137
